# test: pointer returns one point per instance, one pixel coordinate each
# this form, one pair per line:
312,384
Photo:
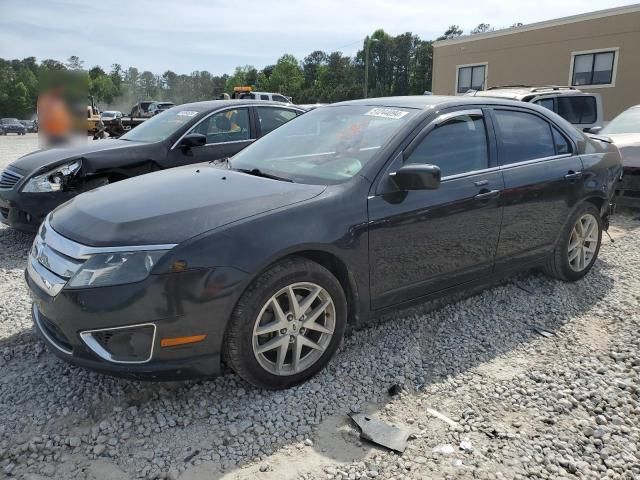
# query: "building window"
596,68
471,77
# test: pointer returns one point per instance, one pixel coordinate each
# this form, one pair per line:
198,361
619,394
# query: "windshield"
108,114
627,122
325,146
162,126
9,121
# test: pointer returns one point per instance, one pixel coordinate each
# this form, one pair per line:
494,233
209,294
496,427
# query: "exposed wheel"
287,325
579,244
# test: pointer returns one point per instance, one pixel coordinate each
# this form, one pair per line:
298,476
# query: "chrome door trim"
536,160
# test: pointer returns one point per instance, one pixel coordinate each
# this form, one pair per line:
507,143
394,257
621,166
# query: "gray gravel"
520,404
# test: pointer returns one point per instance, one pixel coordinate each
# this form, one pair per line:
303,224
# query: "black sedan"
348,210
37,183
12,125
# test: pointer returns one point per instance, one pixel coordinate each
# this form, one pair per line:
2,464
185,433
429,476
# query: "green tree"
452,32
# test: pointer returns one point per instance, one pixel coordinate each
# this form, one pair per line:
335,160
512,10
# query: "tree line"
397,65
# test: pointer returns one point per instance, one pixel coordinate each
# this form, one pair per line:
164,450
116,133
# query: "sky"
214,35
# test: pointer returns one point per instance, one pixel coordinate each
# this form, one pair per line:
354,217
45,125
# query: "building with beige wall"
595,52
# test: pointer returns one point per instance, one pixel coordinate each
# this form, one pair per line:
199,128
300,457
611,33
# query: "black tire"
238,350
558,264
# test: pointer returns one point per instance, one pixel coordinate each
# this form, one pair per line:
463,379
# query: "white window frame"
616,56
477,64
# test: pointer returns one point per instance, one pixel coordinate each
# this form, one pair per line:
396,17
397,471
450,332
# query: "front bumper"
26,211
197,302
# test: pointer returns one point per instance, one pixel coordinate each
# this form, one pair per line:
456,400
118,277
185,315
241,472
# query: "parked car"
30,125
274,97
349,210
109,115
583,110
624,131
141,109
37,183
158,107
12,125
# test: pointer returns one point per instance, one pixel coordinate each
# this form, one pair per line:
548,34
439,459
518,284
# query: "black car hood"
172,206
54,156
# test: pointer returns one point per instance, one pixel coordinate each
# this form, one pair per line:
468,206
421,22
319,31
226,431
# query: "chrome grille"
52,260
8,179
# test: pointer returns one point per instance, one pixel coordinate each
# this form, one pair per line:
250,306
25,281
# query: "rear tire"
577,249
275,342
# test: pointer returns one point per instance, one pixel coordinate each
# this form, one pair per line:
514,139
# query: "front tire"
287,325
578,246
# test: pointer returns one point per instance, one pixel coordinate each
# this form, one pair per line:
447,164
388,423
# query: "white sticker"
386,113
187,113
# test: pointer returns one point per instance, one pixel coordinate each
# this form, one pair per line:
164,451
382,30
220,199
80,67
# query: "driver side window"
457,146
225,126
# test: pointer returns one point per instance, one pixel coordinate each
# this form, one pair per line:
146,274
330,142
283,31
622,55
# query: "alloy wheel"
583,242
294,328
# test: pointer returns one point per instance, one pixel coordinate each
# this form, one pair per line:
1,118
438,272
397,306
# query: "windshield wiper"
259,173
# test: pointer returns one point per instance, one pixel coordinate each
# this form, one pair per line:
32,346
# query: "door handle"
571,175
487,194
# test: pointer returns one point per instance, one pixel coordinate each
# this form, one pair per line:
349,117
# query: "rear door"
423,241
543,178
228,131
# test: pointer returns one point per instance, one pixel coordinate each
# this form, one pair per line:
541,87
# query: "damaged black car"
37,183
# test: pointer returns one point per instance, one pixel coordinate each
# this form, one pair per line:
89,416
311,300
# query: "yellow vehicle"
93,117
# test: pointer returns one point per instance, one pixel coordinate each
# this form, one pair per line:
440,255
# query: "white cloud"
218,35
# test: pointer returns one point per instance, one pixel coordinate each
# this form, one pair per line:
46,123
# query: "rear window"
578,109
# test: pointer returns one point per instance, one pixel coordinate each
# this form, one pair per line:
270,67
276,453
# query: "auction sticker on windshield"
387,113
187,113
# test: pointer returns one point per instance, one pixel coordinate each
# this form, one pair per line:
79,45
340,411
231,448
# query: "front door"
227,131
423,241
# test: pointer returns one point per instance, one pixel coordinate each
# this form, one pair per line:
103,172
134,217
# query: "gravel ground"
537,378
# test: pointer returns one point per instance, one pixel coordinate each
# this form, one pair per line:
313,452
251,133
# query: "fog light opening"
130,344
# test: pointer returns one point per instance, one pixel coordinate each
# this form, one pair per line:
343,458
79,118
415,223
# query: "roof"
425,102
540,25
215,104
521,92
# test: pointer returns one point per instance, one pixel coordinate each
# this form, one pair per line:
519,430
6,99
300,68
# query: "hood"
629,146
172,206
51,157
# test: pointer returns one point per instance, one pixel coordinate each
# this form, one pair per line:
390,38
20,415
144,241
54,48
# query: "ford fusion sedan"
624,130
37,183
348,210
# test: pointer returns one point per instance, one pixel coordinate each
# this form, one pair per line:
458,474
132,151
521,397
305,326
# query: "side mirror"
194,140
595,130
416,177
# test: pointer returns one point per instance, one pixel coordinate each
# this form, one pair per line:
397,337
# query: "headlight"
115,268
53,180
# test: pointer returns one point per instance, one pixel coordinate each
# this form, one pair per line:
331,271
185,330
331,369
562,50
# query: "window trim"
550,124
206,117
442,119
616,56
477,64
